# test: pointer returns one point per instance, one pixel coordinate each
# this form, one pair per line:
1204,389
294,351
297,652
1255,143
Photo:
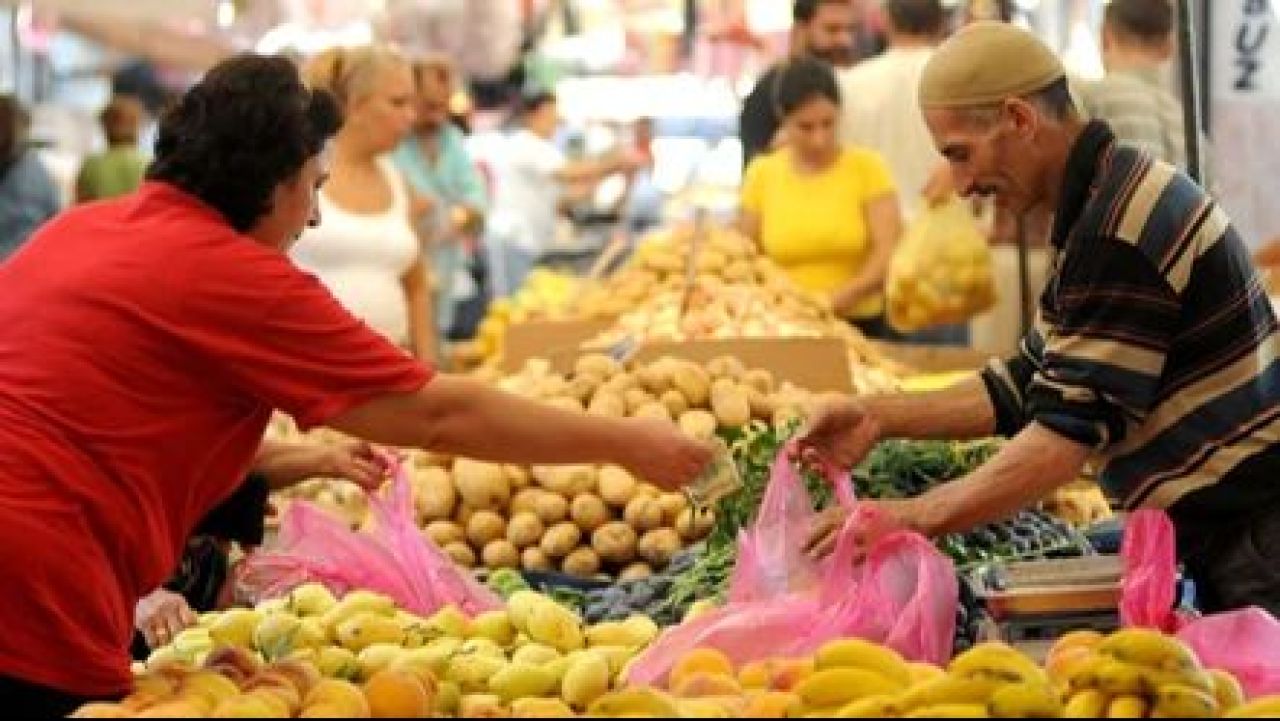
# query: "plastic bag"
940,272
1243,641
903,595
395,558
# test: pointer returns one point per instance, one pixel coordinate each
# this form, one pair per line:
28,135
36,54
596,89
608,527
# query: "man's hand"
875,520
839,434
161,616
664,456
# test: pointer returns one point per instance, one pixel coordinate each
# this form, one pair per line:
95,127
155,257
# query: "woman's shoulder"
860,156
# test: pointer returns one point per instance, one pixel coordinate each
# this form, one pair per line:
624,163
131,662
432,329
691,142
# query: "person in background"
530,192
120,168
200,583
880,110
110,460
820,29
1137,43
435,161
28,196
827,213
366,249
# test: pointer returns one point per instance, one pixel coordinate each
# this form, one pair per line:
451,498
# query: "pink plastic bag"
903,595
1245,642
395,559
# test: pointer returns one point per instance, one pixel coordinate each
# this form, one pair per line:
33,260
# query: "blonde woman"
365,248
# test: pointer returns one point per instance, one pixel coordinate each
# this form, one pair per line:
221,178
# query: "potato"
518,477
560,539
485,526
655,378
533,559
552,508
615,542
675,402
481,485
760,379
500,554
445,532
658,546
730,407
525,529
672,504
616,486
620,384
461,554
598,364
635,572
581,562
553,386
692,382
566,480
636,398
434,494
583,387
698,424
726,366
643,514
582,479
785,415
589,511
694,525
762,405
721,385
526,499
653,409
608,404
462,514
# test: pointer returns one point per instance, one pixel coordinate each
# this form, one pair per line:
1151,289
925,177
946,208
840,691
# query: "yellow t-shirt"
813,225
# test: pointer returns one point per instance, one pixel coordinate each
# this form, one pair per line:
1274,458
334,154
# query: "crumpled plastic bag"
940,272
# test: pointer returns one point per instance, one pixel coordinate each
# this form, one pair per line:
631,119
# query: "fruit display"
311,655
546,295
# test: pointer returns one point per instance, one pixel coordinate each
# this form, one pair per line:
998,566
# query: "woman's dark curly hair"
247,126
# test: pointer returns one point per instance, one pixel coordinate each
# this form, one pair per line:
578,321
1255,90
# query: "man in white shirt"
880,109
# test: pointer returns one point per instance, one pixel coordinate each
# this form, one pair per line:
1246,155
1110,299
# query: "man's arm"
462,417
963,411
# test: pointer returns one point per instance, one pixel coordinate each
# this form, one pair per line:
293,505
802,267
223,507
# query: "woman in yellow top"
827,214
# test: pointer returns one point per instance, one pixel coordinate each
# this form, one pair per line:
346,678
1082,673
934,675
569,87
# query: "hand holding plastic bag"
941,270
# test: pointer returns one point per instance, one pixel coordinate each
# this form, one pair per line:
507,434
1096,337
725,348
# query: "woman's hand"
287,464
161,616
663,456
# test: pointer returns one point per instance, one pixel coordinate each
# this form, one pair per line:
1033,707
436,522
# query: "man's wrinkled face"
992,152
829,35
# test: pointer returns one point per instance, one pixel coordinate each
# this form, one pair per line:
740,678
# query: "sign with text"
1246,49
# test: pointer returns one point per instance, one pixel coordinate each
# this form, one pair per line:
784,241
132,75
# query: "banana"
709,707
882,706
1089,703
949,690
642,700
997,660
1084,675
921,672
1177,701
1265,707
1026,700
1146,647
949,710
839,686
857,653
1226,689
1127,707
1119,678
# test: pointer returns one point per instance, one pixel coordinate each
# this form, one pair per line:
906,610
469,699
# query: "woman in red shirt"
144,343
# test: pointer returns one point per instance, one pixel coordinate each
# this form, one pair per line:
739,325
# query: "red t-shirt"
143,346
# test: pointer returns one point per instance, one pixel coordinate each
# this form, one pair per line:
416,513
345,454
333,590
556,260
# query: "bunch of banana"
1141,673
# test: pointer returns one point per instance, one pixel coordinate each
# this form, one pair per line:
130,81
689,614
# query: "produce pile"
585,521
311,655
546,295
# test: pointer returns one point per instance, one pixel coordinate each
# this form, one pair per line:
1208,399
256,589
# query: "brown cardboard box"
547,338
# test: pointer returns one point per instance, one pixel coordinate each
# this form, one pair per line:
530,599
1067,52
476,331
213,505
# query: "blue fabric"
452,180
28,198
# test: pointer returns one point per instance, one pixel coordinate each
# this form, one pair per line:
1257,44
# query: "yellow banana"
1265,707
1177,701
857,653
1226,689
949,690
1026,700
838,686
1089,703
1123,679
1127,707
882,706
950,710
997,660
1146,647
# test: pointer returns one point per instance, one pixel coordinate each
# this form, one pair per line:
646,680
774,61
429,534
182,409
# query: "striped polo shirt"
1155,343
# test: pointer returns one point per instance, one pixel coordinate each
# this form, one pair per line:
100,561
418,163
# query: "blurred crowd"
422,221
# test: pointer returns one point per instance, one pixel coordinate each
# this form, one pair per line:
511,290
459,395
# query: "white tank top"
362,258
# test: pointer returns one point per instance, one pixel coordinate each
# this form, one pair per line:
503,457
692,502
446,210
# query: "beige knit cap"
985,63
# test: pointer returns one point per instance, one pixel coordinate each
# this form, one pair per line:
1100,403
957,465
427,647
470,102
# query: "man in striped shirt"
1155,351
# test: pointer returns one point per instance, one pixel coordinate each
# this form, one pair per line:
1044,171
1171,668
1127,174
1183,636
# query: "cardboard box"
935,359
547,338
